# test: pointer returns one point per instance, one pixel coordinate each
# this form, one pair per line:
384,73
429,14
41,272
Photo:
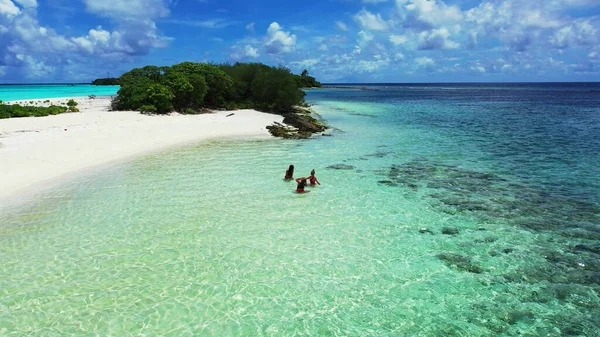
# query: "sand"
37,151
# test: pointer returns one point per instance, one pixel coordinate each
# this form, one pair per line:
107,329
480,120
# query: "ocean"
444,210
12,92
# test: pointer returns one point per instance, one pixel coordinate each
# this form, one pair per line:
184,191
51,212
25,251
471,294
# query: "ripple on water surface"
400,240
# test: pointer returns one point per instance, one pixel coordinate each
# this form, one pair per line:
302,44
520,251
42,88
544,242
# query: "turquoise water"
208,240
36,91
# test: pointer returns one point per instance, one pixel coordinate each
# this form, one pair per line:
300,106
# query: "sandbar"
35,151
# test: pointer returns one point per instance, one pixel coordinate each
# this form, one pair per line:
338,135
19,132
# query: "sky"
337,41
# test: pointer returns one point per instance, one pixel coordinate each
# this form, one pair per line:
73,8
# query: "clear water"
208,240
36,91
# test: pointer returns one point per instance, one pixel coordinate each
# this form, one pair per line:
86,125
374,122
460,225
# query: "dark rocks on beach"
460,262
450,231
340,167
298,125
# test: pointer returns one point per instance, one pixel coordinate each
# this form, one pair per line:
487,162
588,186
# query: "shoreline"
38,152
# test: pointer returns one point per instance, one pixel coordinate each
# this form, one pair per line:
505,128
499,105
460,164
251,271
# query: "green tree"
160,97
181,88
219,84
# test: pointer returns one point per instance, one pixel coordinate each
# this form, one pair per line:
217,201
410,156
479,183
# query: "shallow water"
37,91
439,215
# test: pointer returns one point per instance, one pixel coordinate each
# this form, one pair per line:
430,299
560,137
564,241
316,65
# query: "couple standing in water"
289,175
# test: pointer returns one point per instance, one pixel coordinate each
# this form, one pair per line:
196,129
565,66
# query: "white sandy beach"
35,151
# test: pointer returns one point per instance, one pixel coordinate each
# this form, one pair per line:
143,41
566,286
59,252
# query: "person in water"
289,173
301,185
313,179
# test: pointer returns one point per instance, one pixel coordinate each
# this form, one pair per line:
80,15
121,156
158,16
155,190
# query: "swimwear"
313,180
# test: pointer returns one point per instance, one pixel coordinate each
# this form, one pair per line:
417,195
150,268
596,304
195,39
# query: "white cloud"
8,8
436,39
371,21
364,37
424,62
581,32
398,39
250,27
279,41
119,9
341,26
251,52
426,14
30,49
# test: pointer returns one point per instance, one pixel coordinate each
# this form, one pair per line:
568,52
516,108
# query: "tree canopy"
190,86
304,80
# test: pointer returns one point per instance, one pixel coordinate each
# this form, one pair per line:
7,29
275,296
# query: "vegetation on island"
16,110
191,88
304,80
106,81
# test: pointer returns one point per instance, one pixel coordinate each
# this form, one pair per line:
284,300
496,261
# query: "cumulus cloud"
279,41
118,9
370,21
30,50
581,32
436,39
426,14
424,62
364,37
8,8
243,52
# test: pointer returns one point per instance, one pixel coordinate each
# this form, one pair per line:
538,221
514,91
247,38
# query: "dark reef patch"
460,262
340,167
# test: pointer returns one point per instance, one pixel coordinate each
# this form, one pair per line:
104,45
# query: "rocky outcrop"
298,125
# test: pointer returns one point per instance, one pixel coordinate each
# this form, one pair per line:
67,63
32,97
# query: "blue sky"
336,40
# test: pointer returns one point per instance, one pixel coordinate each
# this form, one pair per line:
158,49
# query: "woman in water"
289,173
313,179
301,185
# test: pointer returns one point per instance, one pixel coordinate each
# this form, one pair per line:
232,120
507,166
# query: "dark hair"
291,169
302,183
313,171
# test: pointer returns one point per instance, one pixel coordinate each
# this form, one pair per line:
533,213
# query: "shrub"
72,103
147,109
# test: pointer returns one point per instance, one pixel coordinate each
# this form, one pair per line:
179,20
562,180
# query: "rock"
340,167
460,262
425,230
450,231
303,122
387,183
508,250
